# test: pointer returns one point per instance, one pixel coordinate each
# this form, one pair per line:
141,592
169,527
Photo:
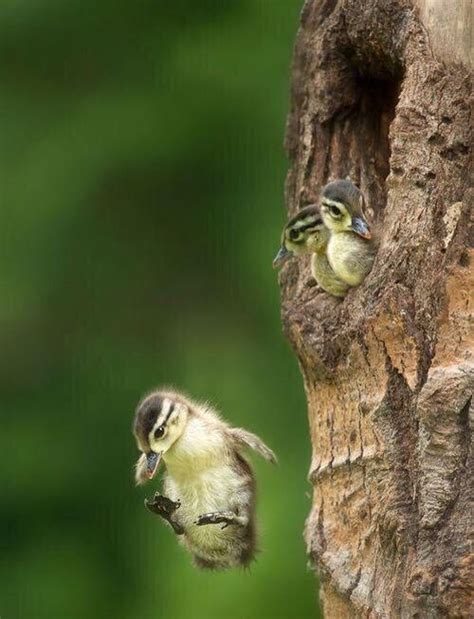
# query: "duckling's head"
341,208
304,233
160,420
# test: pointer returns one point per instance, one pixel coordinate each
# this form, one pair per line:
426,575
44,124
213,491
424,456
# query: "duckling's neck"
350,256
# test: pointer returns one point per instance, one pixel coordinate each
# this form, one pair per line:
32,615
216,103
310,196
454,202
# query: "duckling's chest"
214,489
346,255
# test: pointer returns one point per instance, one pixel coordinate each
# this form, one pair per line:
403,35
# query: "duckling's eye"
335,211
294,234
159,432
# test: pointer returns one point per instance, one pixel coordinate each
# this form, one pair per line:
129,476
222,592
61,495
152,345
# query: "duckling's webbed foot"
165,507
225,518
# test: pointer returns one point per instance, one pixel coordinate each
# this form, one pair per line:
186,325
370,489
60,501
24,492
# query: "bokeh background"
141,192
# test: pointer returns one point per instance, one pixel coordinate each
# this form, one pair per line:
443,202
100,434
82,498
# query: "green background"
141,193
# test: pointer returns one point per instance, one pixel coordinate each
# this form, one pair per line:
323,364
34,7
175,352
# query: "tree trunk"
381,92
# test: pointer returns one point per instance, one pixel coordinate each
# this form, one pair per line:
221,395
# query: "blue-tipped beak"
282,256
152,462
361,227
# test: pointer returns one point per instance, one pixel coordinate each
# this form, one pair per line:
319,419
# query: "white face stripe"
166,410
302,223
328,202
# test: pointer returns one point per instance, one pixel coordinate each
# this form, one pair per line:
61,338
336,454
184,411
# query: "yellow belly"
350,257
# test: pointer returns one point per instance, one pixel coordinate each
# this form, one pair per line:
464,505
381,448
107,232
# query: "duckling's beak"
282,256
361,227
152,462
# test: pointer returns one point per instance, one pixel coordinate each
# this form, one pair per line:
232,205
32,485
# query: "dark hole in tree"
375,112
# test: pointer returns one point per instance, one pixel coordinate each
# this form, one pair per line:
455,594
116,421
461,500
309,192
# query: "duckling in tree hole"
351,249
305,233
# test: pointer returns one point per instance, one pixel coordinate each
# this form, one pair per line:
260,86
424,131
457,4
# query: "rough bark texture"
388,371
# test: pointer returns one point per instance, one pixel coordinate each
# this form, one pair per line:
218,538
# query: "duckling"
207,482
306,233
350,250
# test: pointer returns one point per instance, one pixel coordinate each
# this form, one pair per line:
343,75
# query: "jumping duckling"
306,233
350,250
207,481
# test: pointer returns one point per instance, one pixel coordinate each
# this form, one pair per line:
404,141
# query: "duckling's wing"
247,439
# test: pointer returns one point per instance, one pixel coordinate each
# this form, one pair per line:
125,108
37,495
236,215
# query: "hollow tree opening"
388,371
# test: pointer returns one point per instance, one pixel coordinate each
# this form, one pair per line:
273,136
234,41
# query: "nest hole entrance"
374,113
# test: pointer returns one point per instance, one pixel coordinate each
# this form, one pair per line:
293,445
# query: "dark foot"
165,507
224,518
162,505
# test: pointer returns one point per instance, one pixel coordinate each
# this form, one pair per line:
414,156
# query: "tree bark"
381,92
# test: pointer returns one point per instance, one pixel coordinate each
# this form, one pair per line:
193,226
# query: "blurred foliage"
142,176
